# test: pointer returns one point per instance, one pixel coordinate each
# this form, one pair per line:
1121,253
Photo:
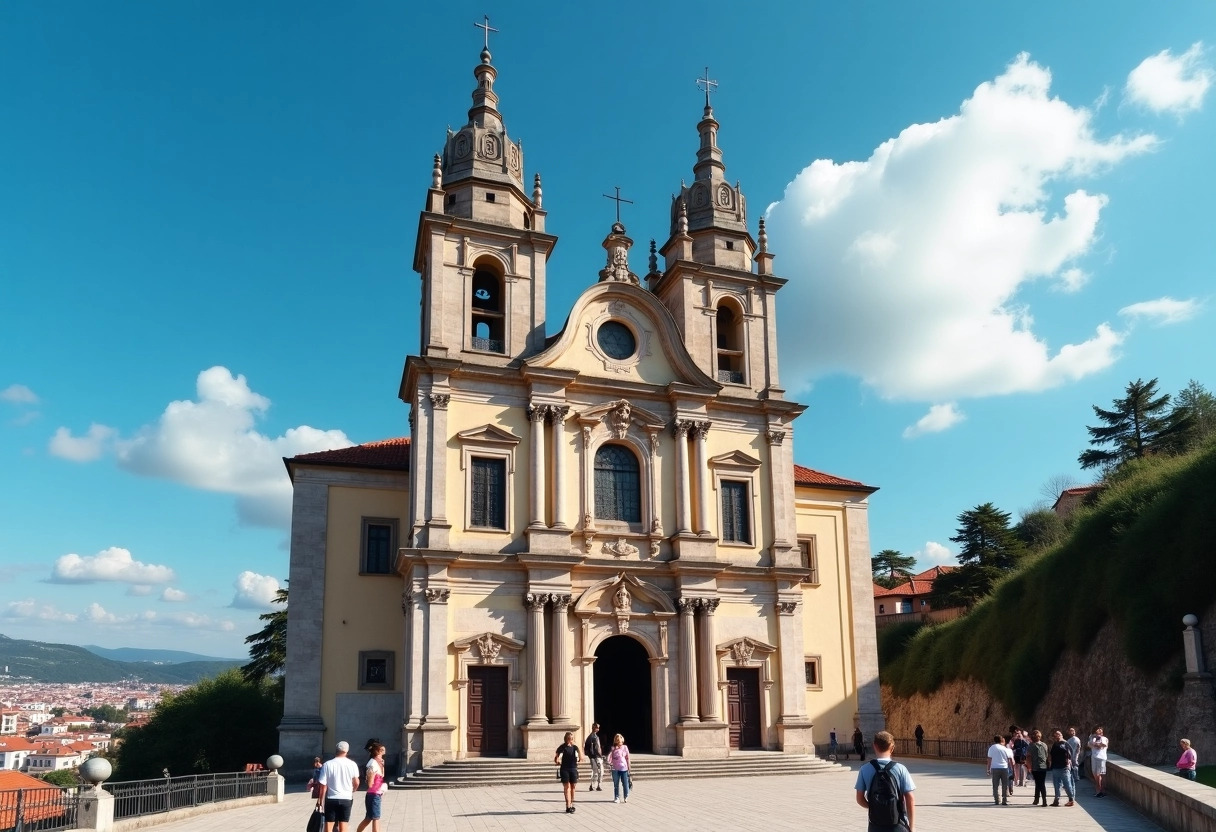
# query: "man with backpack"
884,789
593,750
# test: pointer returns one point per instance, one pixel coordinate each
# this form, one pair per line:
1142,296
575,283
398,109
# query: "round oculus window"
616,340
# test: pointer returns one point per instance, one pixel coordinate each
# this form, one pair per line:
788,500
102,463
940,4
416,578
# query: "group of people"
334,783
1011,756
569,756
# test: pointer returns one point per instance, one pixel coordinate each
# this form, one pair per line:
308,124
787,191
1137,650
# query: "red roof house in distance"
40,801
1070,498
911,598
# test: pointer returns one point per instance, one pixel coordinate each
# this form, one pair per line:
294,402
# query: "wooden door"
487,717
743,706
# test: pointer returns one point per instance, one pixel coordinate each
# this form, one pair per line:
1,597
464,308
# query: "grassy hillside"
1143,555
140,654
45,662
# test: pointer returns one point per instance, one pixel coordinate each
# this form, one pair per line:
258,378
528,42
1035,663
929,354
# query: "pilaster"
561,659
865,639
688,660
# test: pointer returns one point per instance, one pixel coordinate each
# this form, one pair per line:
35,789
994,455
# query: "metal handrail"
39,809
136,798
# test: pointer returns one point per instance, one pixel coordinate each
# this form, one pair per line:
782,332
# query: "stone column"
439,445
557,416
536,507
704,509
415,653
536,657
561,659
436,656
683,498
708,661
793,662
688,661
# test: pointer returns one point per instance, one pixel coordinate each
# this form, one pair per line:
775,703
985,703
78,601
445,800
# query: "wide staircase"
500,771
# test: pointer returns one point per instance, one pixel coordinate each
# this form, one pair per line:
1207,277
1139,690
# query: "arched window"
618,491
730,344
486,311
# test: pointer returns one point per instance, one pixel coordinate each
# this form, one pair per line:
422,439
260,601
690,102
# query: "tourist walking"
1098,746
1060,765
1036,755
859,743
1000,764
566,759
593,749
1187,762
1019,748
339,779
618,760
920,739
376,787
1074,747
885,789
832,743
313,786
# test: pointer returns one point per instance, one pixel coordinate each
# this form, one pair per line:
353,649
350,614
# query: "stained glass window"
488,501
618,494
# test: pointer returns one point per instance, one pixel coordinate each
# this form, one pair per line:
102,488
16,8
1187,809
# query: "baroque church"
601,522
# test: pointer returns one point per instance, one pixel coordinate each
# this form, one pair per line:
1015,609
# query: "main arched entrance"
622,693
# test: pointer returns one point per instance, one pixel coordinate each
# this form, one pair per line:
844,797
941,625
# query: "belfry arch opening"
729,336
623,695
486,313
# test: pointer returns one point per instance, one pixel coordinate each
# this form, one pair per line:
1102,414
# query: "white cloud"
1169,83
96,614
254,591
906,267
940,417
31,609
1162,311
139,590
18,394
934,554
212,444
85,448
1071,280
113,564
173,595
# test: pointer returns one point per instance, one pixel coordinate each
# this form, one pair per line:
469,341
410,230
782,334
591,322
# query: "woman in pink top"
376,787
618,758
1186,763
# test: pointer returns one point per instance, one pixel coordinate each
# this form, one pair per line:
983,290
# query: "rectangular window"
736,518
809,559
376,669
379,544
813,677
488,498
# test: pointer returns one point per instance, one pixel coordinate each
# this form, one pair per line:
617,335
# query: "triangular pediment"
638,415
742,649
488,435
488,645
735,459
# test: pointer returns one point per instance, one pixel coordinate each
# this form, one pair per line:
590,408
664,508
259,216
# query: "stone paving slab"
950,796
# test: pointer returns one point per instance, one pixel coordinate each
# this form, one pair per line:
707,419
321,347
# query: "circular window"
616,340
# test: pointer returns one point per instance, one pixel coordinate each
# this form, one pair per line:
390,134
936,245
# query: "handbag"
316,822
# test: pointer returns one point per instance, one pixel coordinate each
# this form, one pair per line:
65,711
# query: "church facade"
602,523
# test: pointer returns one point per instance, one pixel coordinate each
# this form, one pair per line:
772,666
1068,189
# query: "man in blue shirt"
884,743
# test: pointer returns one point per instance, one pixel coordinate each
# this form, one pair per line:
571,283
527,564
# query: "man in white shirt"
338,781
1000,768
1098,744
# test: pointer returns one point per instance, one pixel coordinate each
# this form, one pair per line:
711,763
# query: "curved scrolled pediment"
639,598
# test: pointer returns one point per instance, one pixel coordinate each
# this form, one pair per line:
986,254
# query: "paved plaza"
950,796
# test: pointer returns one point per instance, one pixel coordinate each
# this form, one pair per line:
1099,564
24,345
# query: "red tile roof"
919,584
394,455
42,800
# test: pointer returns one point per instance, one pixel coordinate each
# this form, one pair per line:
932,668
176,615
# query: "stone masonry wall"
1143,715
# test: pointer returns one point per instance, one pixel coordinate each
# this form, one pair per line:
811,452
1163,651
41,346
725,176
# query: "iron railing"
951,749
730,376
39,810
488,344
136,798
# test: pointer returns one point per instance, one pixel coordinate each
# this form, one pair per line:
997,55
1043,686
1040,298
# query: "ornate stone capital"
440,401
681,427
786,607
437,596
407,602
538,412
776,437
561,603
710,605
558,413
536,602
700,430
686,605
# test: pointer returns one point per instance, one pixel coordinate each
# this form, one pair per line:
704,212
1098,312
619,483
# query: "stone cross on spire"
618,199
707,84
488,28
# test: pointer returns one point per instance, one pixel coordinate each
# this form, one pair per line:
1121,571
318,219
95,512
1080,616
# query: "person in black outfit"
920,739
859,743
594,750
567,759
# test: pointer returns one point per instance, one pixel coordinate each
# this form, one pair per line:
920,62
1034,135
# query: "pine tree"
891,567
268,646
1196,402
985,538
1139,425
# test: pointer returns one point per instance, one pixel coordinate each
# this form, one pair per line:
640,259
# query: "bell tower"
482,249
717,280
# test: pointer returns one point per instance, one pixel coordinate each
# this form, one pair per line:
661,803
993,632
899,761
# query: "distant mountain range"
37,661
139,654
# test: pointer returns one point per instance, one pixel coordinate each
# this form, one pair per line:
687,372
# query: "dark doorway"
487,728
743,706
622,693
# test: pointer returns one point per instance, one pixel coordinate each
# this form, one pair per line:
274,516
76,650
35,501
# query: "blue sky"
1009,219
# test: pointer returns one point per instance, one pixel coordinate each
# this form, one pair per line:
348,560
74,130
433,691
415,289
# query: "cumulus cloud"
1169,83
212,444
254,591
906,267
173,595
29,609
18,394
113,564
935,554
97,615
1162,311
940,417
85,448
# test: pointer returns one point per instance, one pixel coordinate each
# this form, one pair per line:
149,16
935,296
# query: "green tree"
891,567
1140,424
63,777
58,711
218,725
268,646
988,548
1040,529
1199,404
107,713
963,586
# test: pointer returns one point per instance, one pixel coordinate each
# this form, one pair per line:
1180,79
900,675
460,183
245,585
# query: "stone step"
504,772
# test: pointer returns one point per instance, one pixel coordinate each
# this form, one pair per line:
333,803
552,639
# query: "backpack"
589,747
886,808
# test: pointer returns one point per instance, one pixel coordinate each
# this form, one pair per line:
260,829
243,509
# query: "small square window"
730,245
489,197
378,545
376,669
809,559
814,679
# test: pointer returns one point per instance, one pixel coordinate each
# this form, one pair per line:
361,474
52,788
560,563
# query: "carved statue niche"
619,419
488,648
622,601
